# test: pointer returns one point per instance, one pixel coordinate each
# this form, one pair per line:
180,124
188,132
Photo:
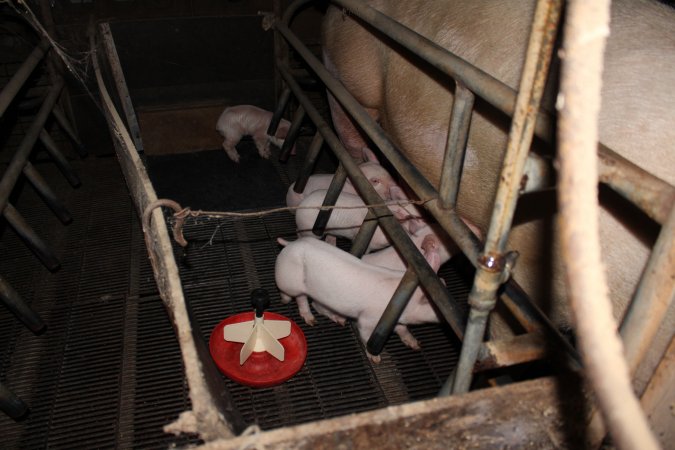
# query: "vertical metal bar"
292,135
279,112
60,160
490,270
47,194
10,404
309,163
65,124
19,308
32,240
121,85
330,199
17,81
19,159
364,236
392,312
458,134
653,297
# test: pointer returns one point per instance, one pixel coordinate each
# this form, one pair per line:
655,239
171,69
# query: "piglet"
248,120
372,169
346,220
344,285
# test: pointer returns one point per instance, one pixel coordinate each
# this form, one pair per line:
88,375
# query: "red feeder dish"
259,368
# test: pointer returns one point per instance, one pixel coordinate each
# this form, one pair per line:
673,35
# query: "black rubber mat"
209,180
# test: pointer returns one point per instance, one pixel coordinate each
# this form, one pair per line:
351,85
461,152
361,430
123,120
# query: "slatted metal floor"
107,372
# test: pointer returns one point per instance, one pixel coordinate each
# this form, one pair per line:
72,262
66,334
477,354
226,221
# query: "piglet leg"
305,312
332,315
406,337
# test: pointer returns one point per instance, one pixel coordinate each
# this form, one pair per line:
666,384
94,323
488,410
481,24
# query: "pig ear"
369,156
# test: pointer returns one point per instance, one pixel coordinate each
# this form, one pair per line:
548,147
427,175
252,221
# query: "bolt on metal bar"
435,289
19,159
47,194
19,78
30,238
19,308
292,135
309,163
653,297
490,272
458,135
60,160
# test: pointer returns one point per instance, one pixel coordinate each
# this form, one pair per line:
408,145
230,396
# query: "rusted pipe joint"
180,214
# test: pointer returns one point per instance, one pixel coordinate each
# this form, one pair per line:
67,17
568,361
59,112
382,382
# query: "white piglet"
344,285
346,219
377,175
247,120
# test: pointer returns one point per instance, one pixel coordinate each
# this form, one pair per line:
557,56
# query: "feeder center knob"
260,300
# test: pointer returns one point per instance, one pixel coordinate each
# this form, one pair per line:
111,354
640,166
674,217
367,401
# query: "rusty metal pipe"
653,297
19,308
435,289
364,236
458,135
491,271
30,238
17,81
336,185
47,194
10,404
392,312
586,29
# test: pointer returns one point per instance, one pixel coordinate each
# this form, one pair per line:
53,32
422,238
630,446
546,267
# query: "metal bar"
50,198
31,239
279,111
292,135
121,85
392,312
17,81
659,398
458,134
364,236
60,160
19,308
490,272
309,163
16,165
336,185
10,404
653,297
65,124
435,289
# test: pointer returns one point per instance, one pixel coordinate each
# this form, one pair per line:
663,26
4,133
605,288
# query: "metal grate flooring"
107,372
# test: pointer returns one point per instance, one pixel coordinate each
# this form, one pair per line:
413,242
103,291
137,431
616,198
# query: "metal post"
47,194
32,240
458,134
19,308
279,111
491,270
65,124
292,135
336,185
60,160
17,81
10,404
364,236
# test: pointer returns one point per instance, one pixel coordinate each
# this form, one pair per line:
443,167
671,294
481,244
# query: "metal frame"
652,195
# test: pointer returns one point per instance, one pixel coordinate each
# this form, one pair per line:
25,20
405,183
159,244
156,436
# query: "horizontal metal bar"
17,81
20,157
